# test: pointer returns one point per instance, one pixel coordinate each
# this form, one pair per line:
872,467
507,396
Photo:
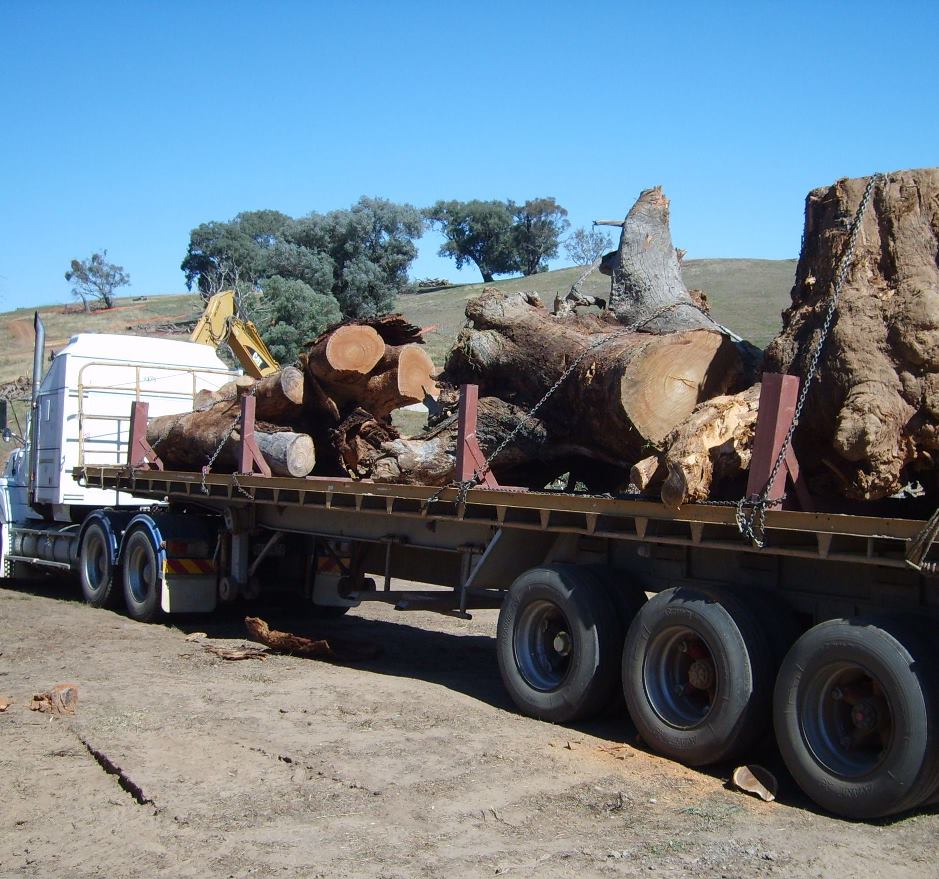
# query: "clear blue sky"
126,124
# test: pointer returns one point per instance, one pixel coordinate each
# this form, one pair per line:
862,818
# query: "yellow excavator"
220,324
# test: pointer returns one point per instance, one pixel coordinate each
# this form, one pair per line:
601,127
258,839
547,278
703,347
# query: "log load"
627,393
871,421
532,459
712,445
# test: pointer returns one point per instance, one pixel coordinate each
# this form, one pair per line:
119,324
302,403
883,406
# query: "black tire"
557,643
141,576
95,568
628,599
856,716
697,675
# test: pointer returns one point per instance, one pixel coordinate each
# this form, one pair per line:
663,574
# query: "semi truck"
822,633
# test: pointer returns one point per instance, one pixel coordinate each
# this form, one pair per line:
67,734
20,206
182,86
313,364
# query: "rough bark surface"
714,443
646,271
872,416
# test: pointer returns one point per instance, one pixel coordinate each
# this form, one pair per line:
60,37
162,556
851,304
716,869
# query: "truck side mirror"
3,416
6,434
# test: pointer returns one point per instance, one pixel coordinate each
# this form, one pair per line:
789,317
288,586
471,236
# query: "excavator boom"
220,325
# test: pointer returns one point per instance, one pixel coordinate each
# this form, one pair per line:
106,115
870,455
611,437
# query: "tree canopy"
359,257
476,231
290,313
499,237
96,279
539,225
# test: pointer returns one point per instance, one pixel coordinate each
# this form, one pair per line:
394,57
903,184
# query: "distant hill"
746,295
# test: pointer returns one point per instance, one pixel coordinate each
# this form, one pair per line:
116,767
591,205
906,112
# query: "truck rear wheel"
557,644
856,716
95,568
697,675
141,575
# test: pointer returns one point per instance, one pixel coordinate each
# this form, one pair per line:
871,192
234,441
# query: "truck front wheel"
95,568
857,716
141,575
557,643
697,675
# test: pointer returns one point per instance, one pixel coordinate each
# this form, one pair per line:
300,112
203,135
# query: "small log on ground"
872,415
714,443
188,442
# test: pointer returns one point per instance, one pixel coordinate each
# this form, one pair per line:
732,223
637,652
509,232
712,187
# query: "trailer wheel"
141,576
557,643
95,568
697,675
856,712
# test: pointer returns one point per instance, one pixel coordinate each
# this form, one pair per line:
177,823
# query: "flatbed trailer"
827,612
823,632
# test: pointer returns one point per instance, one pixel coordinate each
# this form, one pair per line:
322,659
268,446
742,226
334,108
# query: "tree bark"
646,272
872,415
279,396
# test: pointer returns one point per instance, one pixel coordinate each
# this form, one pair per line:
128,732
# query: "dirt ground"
178,763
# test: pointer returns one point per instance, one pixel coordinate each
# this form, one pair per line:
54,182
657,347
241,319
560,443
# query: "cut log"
714,443
349,349
362,369
645,473
287,453
872,415
624,395
279,396
188,442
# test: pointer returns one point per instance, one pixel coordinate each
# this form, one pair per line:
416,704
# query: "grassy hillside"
745,294
143,316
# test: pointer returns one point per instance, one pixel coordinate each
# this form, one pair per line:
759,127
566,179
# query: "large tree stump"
872,416
646,271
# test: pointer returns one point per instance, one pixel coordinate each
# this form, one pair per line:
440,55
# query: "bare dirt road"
181,764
